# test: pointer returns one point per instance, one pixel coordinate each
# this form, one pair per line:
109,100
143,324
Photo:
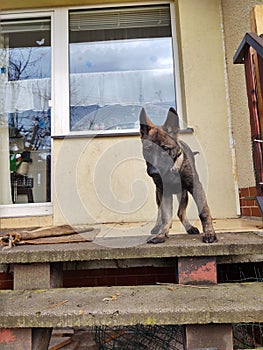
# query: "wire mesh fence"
245,272
248,335
140,337
245,335
172,337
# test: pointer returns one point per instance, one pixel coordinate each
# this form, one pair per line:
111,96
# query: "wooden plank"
59,342
73,346
41,338
48,235
258,64
62,332
53,231
70,238
113,306
254,118
256,19
249,40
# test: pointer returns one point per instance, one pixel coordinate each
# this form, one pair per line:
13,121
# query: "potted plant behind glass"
23,162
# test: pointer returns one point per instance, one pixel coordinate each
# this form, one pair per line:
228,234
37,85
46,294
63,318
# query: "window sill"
25,210
104,133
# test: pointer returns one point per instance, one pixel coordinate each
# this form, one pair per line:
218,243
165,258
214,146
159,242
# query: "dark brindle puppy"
171,165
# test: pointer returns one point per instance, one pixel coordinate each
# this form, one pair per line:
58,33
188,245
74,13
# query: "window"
25,68
120,60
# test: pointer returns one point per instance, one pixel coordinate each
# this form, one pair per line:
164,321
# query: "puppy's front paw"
209,237
160,238
193,231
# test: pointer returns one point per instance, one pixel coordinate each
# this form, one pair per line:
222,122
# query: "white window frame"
31,209
62,113
60,103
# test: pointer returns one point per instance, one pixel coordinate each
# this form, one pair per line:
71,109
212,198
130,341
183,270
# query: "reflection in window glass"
25,66
117,65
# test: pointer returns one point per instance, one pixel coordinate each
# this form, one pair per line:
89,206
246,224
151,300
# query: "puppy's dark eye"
166,148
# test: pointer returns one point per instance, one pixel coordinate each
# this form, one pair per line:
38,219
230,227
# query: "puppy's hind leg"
183,202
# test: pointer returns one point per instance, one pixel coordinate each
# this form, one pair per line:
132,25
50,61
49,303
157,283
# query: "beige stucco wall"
104,179
236,15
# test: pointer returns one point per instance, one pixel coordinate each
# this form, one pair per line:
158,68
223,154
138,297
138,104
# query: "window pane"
115,71
25,66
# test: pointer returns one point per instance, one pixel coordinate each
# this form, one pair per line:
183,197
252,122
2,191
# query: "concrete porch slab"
115,229
148,305
135,247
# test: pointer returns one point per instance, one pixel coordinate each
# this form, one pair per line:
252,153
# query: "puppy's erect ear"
145,123
171,125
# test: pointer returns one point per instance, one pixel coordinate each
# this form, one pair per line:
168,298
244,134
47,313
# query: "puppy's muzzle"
152,171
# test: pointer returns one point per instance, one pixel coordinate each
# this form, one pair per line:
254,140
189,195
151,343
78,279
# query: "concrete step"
159,304
229,245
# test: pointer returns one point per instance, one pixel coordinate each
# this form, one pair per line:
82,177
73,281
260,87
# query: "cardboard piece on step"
48,235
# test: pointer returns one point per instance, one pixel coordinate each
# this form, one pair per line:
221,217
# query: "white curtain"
24,95
123,87
107,88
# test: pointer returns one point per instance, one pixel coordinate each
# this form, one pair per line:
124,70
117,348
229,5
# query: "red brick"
256,212
106,281
6,280
252,191
126,281
246,211
140,280
120,276
244,203
197,270
16,339
244,192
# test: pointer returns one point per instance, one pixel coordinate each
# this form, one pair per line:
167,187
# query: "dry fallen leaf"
58,304
112,297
